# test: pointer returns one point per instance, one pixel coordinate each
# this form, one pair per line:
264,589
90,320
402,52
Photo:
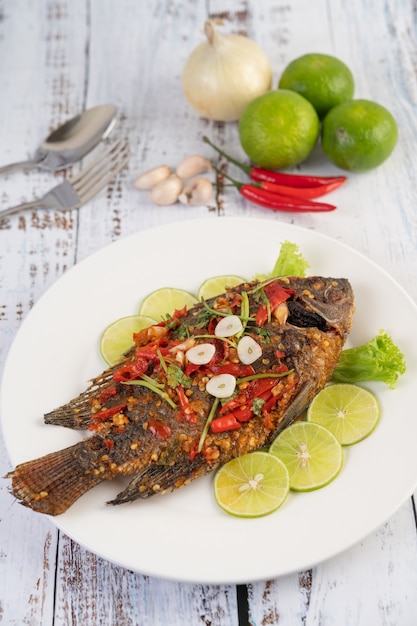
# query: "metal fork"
79,189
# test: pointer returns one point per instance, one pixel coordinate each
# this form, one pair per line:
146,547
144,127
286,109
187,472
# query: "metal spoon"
71,141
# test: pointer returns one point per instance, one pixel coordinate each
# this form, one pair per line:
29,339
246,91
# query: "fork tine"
105,166
97,185
94,164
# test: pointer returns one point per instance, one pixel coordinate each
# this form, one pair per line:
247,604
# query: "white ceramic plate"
184,536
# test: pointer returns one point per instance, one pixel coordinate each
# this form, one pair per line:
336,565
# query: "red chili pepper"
236,369
150,351
277,202
224,424
260,174
106,394
186,409
305,193
131,371
159,429
243,414
179,313
104,415
109,443
276,295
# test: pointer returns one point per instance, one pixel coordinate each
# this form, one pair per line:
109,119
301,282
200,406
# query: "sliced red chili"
131,371
104,415
276,294
236,369
106,394
159,429
109,443
243,413
224,424
186,410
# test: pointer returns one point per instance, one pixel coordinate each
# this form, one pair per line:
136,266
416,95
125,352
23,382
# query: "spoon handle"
20,165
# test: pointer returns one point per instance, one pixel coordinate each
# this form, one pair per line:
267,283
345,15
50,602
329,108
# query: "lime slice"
217,285
312,454
117,338
251,485
163,302
348,411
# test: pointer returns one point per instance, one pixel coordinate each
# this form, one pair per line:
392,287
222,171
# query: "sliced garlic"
221,386
197,192
228,326
167,191
192,166
201,353
248,350
152,177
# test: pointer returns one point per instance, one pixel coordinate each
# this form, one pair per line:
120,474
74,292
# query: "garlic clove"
228,326
166,192
248,350
197,192
223,74
221,386
152,177
192,166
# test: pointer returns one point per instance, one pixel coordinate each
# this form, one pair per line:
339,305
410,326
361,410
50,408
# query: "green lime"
163,302
217,285
117,338
278,129
323,80
312,454
359,135
348,411
251,485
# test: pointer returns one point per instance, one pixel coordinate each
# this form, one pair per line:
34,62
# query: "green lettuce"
290,261
378,359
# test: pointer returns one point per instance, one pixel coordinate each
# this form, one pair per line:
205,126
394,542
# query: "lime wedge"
348,411
251,485
117,338
163,302
312,454
217,285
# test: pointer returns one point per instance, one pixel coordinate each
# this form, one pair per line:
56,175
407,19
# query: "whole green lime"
278,129
323,80
359,135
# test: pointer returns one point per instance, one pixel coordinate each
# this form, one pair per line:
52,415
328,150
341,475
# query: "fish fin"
296,408
161,479
52,483
76,414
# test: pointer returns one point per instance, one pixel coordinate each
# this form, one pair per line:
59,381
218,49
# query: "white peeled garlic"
228,326
152,177
197,192
192,166
221,386
167,191
223,74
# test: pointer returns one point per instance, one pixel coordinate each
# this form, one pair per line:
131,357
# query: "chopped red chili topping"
131,371
159,429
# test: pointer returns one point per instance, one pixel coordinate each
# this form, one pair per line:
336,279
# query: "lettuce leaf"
378,359
290,261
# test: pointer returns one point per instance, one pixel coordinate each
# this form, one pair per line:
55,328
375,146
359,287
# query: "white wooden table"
58,57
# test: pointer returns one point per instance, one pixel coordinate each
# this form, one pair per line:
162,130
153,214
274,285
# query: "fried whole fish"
151,417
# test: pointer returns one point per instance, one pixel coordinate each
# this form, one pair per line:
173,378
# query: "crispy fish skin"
137,432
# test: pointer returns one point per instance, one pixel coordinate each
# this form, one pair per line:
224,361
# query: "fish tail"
52,483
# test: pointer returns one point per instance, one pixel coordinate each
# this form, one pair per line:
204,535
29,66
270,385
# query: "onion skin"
223,74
